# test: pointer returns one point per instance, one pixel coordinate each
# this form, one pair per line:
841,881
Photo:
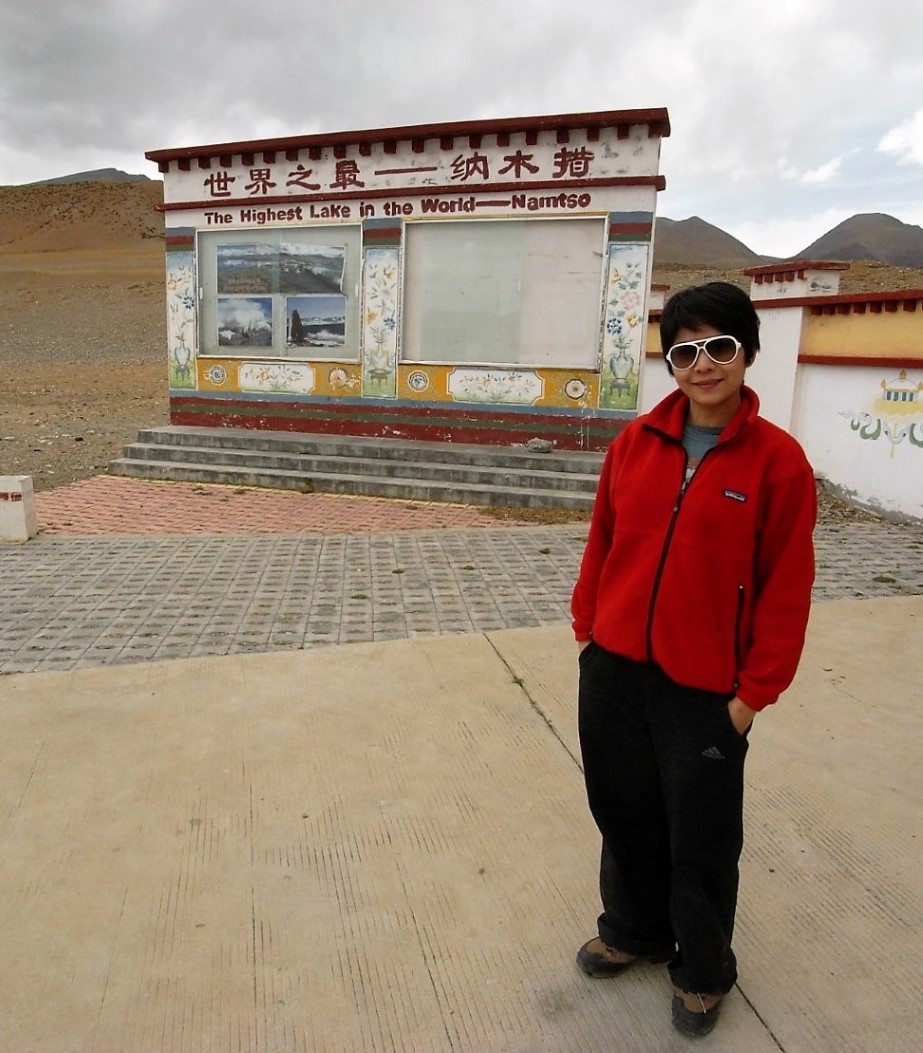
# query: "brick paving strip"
69,602
107,505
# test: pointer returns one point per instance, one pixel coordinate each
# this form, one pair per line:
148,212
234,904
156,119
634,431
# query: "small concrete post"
18,518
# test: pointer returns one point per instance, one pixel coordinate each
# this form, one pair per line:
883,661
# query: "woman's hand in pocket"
741,715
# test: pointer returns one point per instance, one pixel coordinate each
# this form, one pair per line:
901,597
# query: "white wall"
859,443
656,382
773,373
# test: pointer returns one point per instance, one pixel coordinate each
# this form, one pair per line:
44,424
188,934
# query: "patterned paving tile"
69,602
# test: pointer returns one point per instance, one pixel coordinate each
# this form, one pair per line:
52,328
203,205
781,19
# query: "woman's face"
713,390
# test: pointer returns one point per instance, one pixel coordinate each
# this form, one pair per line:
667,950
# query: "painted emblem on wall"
216,375
342,382
512,386
380,323
181,323
295,378
575,388
895,416
418,381
623,327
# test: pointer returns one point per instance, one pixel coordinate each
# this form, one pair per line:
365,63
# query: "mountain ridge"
870,236
97,175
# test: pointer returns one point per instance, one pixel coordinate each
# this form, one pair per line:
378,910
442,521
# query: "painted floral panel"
381,269
293,378
181,319
624,325
514,387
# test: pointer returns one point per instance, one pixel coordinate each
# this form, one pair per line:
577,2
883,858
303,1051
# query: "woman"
690,612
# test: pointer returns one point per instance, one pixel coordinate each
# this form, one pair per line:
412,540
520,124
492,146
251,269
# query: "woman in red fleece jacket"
690,613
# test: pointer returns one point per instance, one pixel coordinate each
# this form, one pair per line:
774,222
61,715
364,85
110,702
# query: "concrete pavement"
385,846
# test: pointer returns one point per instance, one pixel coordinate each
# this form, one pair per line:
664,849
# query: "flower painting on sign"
181,318
276,377
623,335
523,387
379,373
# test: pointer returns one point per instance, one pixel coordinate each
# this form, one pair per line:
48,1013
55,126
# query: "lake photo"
315,321
290,268
244,321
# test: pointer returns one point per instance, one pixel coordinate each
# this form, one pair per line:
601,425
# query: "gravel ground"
87,361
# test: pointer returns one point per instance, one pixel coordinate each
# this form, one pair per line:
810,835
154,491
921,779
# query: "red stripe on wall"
889,362
448,425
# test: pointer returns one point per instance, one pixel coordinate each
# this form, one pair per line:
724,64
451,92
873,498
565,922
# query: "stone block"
18,518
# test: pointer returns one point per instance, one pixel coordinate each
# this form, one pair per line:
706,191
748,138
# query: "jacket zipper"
663,556
664,552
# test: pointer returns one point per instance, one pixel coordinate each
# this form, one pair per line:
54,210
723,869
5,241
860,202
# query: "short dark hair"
721,306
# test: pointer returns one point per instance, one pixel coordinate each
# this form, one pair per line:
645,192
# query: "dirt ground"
83,351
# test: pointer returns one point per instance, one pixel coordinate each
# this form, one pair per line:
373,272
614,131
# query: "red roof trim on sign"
657,121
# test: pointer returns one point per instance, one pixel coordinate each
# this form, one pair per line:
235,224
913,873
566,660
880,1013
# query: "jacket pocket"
586,652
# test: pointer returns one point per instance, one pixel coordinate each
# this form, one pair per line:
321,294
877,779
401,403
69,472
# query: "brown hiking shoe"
599,960
694,1014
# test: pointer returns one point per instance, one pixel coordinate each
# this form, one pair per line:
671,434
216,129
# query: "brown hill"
870,236
693,241
61,217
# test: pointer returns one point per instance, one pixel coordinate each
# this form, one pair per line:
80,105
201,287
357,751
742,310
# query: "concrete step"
509,476
422,471
372,448
367,485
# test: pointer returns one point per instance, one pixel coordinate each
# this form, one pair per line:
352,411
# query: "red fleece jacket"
712,582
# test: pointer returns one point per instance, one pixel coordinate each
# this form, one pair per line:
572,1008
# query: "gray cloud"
756,92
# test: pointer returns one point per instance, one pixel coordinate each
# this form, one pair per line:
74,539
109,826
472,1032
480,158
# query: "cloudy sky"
788,116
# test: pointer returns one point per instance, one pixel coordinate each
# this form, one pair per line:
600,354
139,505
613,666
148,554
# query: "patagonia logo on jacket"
735,495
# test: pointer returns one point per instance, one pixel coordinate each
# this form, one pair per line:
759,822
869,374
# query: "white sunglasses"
722,350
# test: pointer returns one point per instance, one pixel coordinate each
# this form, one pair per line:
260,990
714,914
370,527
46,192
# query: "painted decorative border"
513,387
381,321
623,325
293,378
181,319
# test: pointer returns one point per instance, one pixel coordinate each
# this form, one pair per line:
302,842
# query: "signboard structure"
477,281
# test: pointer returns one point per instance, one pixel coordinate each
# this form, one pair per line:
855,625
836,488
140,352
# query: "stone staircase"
496,476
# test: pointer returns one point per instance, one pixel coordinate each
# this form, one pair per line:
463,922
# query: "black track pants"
664,778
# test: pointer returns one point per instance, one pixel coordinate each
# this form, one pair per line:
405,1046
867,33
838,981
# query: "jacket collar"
669,415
